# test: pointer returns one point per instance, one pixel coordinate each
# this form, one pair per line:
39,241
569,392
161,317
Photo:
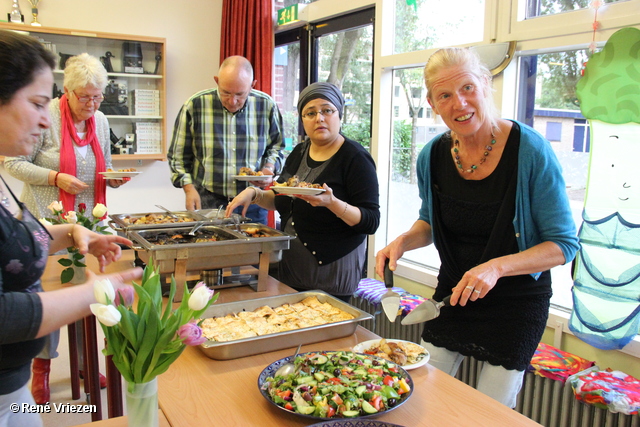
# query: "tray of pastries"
245,328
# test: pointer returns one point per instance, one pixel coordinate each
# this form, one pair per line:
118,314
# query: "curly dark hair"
21,57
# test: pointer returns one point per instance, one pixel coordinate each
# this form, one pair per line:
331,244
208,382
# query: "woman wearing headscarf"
65,165
328,252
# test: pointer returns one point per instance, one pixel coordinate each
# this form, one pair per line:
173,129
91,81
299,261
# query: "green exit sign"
288,14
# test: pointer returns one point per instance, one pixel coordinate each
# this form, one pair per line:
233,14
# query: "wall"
192,32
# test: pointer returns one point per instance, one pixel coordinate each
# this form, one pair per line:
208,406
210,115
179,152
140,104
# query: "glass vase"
79,273
142,404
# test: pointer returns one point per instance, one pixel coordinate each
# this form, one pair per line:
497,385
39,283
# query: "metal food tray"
273,342
118,224
200,216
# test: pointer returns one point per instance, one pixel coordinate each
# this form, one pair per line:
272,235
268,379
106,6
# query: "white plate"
305,191
366,345
251,177
119,175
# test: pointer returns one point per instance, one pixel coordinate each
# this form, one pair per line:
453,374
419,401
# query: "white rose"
44,221
108,315
71,217
103,289
55,207
99,210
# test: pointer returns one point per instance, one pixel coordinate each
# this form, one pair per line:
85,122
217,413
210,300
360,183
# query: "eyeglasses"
326,112
85,99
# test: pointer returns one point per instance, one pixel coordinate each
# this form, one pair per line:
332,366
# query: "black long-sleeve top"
351,174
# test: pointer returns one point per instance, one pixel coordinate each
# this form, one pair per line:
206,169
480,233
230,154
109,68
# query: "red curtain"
247,30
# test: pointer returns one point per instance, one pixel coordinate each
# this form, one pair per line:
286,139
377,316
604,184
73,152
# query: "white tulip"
99,210
108,315
103,289
200,297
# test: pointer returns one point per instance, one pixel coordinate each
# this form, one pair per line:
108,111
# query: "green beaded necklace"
487,150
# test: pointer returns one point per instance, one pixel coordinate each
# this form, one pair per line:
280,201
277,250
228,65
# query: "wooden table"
198,391
123,422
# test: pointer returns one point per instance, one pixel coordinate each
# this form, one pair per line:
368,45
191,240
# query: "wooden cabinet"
135,96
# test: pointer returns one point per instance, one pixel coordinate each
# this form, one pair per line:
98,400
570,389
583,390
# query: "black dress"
473,223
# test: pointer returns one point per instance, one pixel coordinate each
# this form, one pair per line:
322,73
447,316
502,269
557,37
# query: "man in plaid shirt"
218,131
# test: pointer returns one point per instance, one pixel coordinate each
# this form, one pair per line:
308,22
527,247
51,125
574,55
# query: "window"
547,101
554,131
551,7
435,23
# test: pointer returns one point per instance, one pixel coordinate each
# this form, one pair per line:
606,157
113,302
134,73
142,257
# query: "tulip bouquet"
72,217
143,342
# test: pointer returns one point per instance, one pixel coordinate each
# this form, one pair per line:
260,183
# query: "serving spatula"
427,310
390,300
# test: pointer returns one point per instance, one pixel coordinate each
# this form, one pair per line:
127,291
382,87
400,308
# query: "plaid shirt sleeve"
180,154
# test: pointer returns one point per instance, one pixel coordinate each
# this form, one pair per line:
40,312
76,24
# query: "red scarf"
68,156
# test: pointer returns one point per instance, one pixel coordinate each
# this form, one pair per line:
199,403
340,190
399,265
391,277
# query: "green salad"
338,384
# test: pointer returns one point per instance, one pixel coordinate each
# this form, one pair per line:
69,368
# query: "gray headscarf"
323,90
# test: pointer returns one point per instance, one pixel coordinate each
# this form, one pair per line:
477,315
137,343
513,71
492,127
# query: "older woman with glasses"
65,165
330,228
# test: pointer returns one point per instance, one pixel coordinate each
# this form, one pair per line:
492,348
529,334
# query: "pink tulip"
191,334
124,296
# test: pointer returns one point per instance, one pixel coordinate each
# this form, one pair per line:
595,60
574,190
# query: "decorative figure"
606,291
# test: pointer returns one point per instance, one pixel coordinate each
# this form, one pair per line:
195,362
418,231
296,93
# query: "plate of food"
407,354
304,191
252,177
120,173
332,385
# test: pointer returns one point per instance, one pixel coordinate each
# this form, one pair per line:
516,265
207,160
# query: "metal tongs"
171,214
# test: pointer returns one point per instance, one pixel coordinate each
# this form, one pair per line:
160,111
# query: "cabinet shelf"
148,55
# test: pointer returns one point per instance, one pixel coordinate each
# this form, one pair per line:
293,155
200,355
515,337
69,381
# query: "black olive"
337,372
392,402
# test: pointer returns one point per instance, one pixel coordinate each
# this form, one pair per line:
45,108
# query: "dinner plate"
270,370
305,191
357,422
119,175
365,345
252,177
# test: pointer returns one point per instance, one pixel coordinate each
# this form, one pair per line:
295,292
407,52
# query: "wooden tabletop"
197,390
123,422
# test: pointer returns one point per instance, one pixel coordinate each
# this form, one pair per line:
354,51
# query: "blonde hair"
468,59
84,70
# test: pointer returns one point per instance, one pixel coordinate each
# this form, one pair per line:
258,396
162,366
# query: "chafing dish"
232,248
122,222
273,342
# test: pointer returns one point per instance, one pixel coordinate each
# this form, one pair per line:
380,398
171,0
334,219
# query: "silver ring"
476,291
469,287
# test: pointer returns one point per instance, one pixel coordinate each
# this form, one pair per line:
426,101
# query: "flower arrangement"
144,341
73,217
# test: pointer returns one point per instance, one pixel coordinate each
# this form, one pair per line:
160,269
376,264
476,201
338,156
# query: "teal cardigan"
542,206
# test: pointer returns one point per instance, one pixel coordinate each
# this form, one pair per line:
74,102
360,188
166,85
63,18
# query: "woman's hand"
105,247
115,183
242,199
71,184
475,284
322,199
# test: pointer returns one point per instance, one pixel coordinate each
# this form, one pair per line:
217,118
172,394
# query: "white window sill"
558,318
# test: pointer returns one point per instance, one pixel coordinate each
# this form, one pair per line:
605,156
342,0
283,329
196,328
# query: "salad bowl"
393,387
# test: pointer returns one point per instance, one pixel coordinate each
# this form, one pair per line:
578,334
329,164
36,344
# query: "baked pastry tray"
279,341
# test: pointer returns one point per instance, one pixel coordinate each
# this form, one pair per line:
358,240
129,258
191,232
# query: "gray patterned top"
34,169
